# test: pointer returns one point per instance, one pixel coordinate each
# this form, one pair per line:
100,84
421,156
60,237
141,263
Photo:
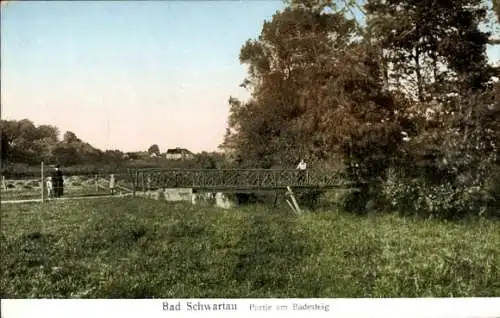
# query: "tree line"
403,100
25,144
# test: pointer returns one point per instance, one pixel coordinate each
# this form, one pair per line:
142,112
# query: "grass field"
138,248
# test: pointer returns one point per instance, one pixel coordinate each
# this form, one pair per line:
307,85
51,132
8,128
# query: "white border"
363,307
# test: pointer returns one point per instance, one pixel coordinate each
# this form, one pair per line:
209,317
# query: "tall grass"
137,248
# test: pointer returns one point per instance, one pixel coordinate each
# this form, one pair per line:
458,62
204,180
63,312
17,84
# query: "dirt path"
63,199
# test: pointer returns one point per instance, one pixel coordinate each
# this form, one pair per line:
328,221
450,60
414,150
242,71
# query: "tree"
317,92
431,42
65,155
70,137
210,160
291,65
48,132
5,147
132,155
23,142
154,150
435,54
437,51
496,8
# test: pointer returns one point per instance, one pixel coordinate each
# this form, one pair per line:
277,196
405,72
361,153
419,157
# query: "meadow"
139,248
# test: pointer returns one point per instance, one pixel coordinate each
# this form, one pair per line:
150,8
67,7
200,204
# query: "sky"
126,75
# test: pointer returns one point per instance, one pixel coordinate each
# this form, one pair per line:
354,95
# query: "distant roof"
178,151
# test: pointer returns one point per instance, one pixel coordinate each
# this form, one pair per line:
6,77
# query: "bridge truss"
234,179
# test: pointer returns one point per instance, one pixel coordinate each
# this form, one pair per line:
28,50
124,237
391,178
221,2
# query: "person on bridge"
58,182
302,166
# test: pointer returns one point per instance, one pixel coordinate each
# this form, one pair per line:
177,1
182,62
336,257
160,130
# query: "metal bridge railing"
146,179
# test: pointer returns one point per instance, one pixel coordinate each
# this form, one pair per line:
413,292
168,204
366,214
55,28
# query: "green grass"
137,248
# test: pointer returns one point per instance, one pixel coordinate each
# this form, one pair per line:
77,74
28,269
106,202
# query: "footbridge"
231,180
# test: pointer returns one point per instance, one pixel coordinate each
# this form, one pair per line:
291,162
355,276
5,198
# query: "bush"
310,198
445,200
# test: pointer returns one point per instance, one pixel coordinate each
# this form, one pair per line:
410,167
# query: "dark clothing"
58,183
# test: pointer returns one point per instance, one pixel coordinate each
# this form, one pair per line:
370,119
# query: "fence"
35,187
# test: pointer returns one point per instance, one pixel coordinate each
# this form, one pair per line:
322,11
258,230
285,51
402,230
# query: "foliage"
23,143
496,8
154,149
4,147
289,70
411,90
428,45
441,200
211,160
143,249
29,144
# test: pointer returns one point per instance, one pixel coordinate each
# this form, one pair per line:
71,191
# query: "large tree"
318,93
435,53
431,45
292,66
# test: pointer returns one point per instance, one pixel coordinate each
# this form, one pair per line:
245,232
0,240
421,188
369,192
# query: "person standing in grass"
112,184
48,185
58,182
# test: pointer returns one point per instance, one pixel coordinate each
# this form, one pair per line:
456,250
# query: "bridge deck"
235,179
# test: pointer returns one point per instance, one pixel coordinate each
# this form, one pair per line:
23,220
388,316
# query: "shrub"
310,198
445,200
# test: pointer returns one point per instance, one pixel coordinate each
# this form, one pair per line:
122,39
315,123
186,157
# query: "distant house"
178,154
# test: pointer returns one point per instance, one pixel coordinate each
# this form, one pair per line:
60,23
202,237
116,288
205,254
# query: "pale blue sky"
129,74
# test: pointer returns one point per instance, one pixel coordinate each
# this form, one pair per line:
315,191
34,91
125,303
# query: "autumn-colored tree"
288,68
297,77
318,93
406,92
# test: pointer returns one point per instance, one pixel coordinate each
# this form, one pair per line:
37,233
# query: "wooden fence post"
134,184
143,185
42,182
